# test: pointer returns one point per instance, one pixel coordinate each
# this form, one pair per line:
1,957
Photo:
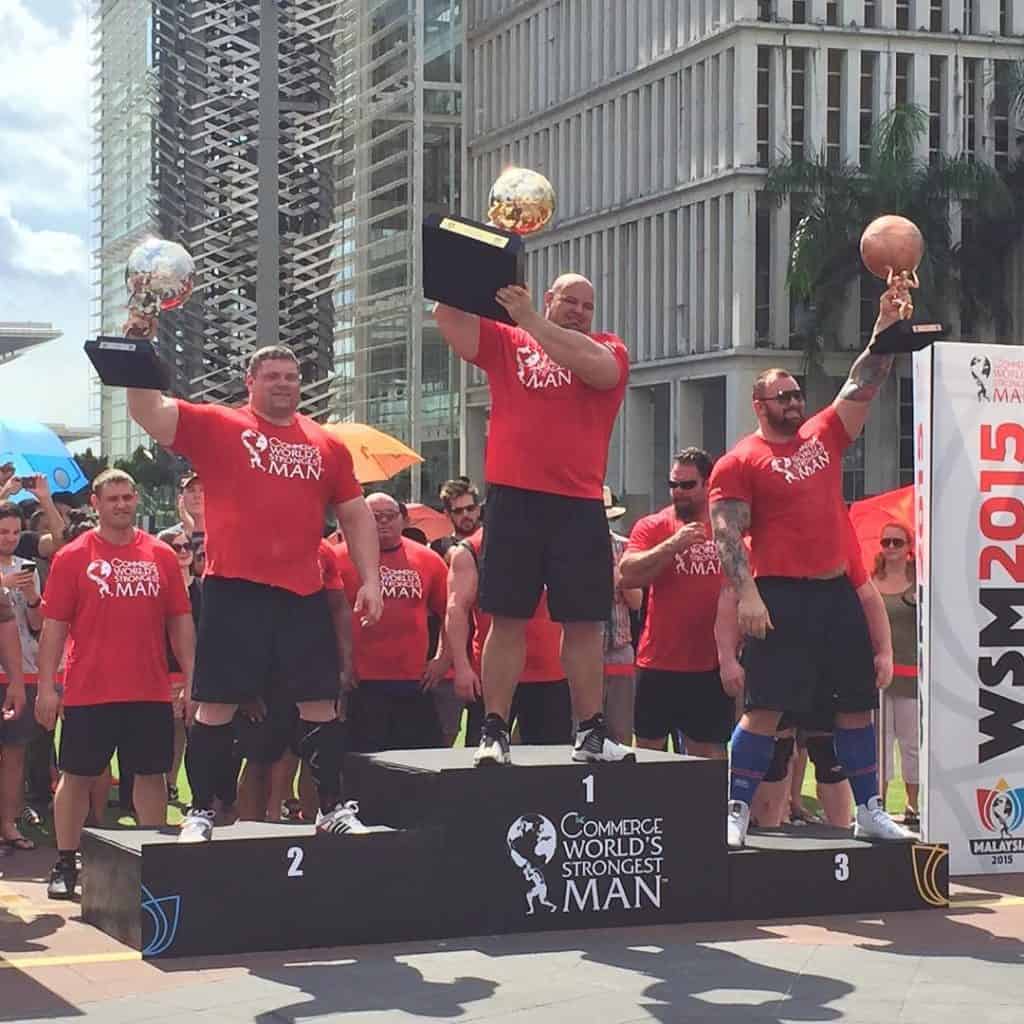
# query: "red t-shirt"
413,581
549,431
855,568
795,495
329,569
679,631
543,636
116,599
266,488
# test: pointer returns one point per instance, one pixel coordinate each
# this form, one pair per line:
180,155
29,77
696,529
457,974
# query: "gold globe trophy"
465,261
892,247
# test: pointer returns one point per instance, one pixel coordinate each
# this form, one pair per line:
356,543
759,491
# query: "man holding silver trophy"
556,388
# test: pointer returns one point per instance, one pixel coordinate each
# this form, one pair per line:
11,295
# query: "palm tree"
837,201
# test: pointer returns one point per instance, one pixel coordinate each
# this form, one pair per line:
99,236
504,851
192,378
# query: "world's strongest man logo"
275,457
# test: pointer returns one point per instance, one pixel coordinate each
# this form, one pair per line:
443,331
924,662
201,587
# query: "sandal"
802,816
20,843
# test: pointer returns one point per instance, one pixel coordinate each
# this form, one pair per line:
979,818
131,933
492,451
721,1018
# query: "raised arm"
595,364
869,369
461,331
155,413
730,518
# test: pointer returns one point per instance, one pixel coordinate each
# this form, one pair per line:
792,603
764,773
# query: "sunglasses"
182,547
892,542
785,397
682,485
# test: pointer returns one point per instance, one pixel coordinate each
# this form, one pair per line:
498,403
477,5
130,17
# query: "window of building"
764,55
903,14
906,430
871,289
762,271
870,14
970,101
853,471
902,78
1001,115
1004,17
798,107
833,114
799,12
969,20
935,76
765,10
937,16
968,232
832,12
868,66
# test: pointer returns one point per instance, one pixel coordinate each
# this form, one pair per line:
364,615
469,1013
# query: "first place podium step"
544,844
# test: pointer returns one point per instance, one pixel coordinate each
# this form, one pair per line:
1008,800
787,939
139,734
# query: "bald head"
381,502
569,302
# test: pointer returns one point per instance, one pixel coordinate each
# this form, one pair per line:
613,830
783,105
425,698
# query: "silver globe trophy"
159,277
465,261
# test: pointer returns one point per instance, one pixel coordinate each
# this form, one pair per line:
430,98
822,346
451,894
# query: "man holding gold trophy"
556,389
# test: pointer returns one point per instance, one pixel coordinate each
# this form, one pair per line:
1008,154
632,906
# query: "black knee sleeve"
322,746
780,760
208,760
822,752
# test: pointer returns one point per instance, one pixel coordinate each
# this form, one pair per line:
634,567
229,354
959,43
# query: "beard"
686,510
780,420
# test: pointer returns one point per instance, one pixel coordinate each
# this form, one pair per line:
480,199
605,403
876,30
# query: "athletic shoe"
172,794
344,821
63,880
872,822
494,743
593,744
196,826
736,824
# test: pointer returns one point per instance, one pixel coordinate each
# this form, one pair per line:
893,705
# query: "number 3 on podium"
842,867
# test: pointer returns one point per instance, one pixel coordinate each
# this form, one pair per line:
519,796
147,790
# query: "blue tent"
35,449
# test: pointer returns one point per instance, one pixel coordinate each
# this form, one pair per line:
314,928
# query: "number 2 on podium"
295,855
588,788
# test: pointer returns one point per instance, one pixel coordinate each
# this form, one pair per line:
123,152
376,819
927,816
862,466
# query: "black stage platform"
545,844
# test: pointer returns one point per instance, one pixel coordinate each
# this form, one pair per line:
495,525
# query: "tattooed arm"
869,370
730,518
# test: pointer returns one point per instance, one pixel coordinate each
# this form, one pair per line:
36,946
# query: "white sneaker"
196,827
344,821
872,822
594,745
736,824
494,743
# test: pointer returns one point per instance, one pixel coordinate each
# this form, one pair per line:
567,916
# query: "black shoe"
63,880
494,743
172,794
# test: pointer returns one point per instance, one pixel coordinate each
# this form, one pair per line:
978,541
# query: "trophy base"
466,262
907,336
128,363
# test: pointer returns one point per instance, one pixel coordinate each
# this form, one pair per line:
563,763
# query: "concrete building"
655,121
18,336
217,127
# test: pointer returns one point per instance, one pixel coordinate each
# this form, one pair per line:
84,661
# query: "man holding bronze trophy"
806,639
266,625
556,389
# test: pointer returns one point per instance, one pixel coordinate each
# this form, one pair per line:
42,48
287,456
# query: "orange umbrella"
375,455
433,523
871,516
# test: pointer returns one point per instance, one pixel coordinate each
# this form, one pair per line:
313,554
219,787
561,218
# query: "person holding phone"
34,544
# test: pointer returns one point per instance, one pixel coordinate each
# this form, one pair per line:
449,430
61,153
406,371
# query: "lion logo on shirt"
537,371
398,583
99,571
275,457
811,457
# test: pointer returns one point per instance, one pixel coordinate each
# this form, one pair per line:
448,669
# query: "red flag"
871,516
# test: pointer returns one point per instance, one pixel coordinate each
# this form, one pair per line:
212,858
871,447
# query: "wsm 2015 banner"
969,435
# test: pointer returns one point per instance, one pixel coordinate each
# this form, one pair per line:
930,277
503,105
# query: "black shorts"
534,539
261,641
142,733
266,742
544,713
389,715
692,702
819,653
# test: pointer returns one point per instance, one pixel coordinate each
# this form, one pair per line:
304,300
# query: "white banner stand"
969,477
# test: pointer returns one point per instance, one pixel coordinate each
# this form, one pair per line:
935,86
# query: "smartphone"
28,482
27,566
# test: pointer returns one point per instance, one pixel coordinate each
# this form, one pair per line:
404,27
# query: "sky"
45,219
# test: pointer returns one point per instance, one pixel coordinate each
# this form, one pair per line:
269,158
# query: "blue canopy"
35,449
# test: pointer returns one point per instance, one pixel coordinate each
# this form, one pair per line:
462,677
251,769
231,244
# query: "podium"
543,845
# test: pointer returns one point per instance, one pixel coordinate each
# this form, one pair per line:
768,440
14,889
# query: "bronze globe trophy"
465,261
